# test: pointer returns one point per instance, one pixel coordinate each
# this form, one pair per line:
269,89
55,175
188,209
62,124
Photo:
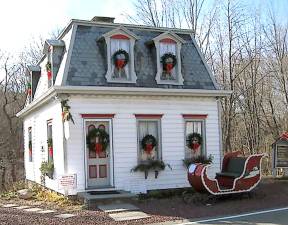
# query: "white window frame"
179,41
50,124
132,38
30,132
159,147
203,133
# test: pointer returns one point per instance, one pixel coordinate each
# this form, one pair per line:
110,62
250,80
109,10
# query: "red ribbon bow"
195,147
98,148
49,74
120,63
51,152
149,148
169,67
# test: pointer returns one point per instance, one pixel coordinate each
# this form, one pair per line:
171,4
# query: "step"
97,197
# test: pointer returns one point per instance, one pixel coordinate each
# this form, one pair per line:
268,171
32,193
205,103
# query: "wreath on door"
98,140
120,59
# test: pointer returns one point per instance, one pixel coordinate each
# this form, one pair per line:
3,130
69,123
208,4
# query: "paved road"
269,217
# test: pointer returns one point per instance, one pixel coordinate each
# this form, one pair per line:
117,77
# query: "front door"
98,153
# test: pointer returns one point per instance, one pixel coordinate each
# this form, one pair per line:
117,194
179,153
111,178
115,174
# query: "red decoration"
98,148
120,36
195,147
120,63
30,151
285,135
29,91
149,148
168,40
169,67
49,74
51,152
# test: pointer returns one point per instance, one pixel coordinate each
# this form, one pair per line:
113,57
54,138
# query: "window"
48,68
149,139
50,141
30,145
168,48
120,56
195,134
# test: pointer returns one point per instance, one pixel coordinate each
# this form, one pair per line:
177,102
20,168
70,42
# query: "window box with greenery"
47,169
151,165
198,159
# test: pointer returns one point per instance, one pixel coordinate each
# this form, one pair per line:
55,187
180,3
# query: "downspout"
65,163
220,130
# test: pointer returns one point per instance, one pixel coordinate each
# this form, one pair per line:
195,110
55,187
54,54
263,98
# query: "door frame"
111,150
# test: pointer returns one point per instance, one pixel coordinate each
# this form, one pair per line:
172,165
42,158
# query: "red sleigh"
238,174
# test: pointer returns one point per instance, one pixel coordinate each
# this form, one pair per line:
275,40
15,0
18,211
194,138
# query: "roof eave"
141,91
92,90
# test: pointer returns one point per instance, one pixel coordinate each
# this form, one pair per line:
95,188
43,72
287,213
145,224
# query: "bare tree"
12,100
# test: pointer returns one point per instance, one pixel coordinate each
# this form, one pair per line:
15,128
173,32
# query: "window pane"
149,152
50,142
30,145
192,150
117,44
167,47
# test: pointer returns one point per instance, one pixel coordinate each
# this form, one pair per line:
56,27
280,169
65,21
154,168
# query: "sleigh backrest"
227,157
236,165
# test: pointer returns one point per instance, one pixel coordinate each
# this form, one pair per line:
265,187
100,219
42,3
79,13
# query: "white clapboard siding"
38,122
125,137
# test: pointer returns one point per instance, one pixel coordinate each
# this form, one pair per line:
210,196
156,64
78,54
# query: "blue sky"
23,20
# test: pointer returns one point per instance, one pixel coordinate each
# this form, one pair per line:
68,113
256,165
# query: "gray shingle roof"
88,63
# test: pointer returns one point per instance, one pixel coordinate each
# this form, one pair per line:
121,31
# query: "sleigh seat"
233,168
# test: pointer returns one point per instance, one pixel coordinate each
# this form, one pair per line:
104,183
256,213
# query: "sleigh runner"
238,174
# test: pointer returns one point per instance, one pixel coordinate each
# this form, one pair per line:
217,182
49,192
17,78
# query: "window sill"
121,81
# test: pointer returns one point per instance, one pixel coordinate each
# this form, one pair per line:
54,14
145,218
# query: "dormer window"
120,56
168,48
54,50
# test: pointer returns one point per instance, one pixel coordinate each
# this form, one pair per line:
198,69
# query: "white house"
136,95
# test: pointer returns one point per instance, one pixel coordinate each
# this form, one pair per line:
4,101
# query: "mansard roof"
88,63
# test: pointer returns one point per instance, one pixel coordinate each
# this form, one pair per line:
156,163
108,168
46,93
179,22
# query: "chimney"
103,19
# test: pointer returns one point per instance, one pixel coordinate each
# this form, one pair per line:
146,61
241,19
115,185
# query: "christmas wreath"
148,143
120,59
194,141
48,69
66,115
168,61
102,143
50,147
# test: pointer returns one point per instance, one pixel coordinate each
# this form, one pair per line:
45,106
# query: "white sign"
67,182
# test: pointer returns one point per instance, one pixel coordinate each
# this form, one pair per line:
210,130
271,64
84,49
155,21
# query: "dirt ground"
269,194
